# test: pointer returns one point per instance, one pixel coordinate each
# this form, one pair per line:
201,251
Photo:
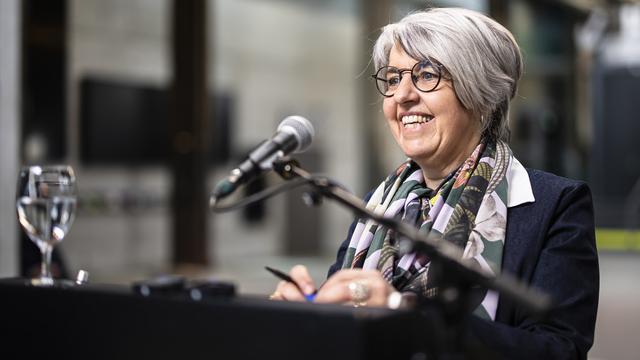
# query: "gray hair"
481,57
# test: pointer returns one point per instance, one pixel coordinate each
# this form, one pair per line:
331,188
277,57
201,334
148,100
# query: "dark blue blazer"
550,245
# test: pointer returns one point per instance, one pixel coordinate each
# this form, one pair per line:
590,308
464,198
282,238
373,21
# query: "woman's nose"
406,91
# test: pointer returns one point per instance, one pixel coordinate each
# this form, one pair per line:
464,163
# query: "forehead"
399,58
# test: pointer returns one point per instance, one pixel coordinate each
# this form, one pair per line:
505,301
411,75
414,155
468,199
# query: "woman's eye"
425,75
393,80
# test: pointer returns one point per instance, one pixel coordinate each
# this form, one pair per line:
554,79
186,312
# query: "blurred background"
153,101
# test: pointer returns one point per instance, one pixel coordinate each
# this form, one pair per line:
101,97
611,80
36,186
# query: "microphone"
294,135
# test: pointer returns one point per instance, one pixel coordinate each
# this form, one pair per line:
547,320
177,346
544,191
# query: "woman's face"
433,128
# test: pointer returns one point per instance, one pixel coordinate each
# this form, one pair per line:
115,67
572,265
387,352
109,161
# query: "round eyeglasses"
425,76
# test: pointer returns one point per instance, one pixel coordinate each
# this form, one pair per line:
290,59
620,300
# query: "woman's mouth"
414,121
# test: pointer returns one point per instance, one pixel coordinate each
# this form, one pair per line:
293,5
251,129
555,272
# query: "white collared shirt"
520,191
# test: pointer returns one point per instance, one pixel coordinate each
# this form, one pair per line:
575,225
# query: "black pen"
288,278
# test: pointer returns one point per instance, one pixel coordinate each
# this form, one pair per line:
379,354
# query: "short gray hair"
481,57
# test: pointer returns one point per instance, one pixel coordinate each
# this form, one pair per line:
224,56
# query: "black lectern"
110,322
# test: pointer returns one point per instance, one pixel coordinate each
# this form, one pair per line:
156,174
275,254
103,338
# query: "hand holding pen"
297,285
355,287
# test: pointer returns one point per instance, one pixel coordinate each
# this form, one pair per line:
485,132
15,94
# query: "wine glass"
46,202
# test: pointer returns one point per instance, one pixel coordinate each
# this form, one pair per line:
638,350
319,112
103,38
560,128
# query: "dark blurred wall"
543,121
44,53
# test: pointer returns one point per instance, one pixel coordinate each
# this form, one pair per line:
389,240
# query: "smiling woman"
462,184
432,128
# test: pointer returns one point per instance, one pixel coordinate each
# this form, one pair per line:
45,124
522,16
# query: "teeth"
412,119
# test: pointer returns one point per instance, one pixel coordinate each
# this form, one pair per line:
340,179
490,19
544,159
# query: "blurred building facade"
101,105
97,79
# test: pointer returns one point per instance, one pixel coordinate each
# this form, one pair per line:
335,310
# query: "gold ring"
359,292
276,295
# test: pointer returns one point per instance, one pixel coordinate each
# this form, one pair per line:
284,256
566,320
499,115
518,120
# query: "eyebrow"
428,64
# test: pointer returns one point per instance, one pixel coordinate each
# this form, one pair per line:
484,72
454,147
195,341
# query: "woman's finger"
335,292
356,287
287,291
342,276
301,276
380,290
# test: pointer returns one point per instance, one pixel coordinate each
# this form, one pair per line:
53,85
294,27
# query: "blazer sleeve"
566,268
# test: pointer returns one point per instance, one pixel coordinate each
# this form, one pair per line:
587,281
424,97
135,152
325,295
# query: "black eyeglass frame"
401,72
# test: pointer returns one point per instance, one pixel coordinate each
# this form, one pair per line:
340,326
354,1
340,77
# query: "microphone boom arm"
441,250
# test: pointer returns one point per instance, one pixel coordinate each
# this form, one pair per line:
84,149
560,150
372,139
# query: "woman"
447,77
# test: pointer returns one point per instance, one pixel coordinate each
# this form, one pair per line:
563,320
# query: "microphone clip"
286,168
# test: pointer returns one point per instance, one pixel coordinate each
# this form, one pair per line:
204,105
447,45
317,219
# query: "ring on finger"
359,292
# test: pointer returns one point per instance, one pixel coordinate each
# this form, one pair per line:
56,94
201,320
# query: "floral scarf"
468,208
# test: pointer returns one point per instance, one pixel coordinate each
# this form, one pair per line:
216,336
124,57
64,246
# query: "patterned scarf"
468,208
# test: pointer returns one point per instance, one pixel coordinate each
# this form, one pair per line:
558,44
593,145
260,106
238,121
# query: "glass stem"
45,268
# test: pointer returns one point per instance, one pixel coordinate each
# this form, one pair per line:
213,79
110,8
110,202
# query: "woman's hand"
355,287
288,291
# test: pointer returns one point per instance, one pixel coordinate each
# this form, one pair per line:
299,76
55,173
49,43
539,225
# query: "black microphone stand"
455,276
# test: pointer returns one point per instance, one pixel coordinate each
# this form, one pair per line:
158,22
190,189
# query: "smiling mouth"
416,119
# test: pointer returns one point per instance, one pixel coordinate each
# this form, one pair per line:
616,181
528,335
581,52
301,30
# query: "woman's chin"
416,146
418,155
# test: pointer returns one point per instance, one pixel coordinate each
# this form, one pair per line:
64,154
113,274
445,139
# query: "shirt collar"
520,191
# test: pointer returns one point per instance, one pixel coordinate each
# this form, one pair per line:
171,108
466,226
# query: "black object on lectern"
92,322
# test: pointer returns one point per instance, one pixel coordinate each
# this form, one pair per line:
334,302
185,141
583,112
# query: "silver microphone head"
299,127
